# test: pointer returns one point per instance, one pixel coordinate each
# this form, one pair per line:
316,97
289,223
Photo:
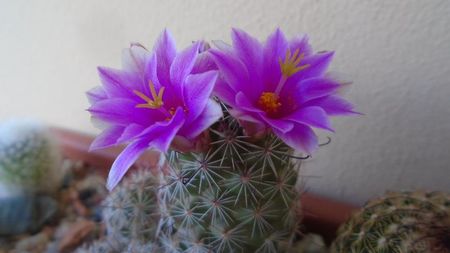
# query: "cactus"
132,211
238,196
101,246
403,222
96,247
106,246
310,243
29,158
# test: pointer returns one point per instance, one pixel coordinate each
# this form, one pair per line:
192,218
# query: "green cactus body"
405,222
239,196
29,158
133,210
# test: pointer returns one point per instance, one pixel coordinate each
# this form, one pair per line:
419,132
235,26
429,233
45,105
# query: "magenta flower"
156,98
279,85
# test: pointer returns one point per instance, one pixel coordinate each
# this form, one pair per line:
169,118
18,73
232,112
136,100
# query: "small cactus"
132,211
239,196
29,158
401,222
141,247
310,243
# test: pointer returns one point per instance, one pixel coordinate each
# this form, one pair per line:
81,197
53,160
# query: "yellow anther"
152,103
171,112
269,102
291,63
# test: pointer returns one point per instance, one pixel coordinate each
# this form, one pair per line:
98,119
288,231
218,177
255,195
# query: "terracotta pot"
320,215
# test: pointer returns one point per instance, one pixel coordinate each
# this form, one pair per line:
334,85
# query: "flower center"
269,102
155,102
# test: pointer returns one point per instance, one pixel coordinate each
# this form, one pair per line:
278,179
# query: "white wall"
396,52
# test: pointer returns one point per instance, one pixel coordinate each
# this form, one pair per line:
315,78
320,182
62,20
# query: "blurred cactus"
141,247
29,158
403,222
102,246
310,243
25,213
132,211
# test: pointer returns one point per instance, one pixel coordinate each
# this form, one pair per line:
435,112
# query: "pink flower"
157,97
278,85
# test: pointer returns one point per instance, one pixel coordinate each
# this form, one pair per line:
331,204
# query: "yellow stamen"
291,63
152,103
269,102
171,112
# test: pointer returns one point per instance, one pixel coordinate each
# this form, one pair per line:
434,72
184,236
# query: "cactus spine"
403,222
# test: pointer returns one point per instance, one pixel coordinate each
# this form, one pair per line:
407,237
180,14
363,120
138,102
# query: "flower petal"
333,105
249,122
118,83
165,53
312,88
183,64
158,136
246,116
124,112
313,116
301,138
96,94
172,94
197,90
151,74
134,58
250,52
211,113
162,133
226,94
275,47
301,42
223,46
203,63
131,131
243,103
124,161
318,65
233,71
281,125
107,138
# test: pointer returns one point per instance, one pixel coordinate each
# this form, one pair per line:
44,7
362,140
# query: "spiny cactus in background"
239,196
404,222
97,247
29,158
132,211
108,246
310,243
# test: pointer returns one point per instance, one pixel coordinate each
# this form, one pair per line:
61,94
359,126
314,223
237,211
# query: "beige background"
396,52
